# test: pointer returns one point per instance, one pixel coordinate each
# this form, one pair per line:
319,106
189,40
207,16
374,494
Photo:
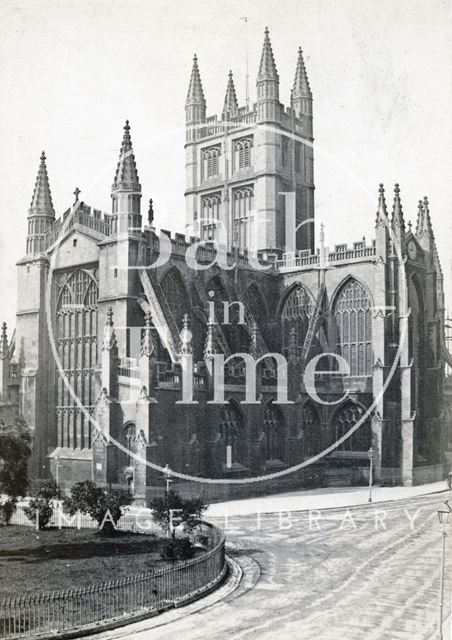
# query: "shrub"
177,549
40,506
7,509
103,506
188,512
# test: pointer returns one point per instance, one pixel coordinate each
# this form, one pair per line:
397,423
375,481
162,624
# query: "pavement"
326,498
322,565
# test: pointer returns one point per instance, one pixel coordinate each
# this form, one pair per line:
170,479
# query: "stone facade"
111,316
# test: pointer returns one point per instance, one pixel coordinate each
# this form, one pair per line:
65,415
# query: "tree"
186,512
103,506
40,507
15,449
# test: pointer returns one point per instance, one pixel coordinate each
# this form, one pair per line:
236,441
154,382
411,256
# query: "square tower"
248,169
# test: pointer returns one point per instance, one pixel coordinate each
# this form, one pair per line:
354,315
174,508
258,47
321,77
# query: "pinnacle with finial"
151,212
397,212
3,342
185,337
253,345
382,212
109,340
267,66
41,202
126,176
209,349
301,88
147,345
195,95
230,100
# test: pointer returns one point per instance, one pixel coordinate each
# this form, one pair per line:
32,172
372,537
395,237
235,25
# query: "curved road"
366,573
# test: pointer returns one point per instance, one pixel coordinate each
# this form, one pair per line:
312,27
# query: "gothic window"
243,203
128,436
242,153
233,433
210,214
295,318
76,339
343,420
311,429
211,162
274,432
353,316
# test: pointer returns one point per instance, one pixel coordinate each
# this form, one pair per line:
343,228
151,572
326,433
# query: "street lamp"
168,475
370,454
443,516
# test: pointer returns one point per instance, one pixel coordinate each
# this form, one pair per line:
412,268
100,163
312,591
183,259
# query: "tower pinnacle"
398,222
382,212
195,95
301,86
126,189
41,214
3,342
41,202
267,67
230,107
126,172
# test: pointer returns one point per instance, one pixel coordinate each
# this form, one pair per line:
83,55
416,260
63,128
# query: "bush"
186,512
7,509
40,507
177,549
103,506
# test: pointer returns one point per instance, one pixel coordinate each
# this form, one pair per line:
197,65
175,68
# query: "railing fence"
35,615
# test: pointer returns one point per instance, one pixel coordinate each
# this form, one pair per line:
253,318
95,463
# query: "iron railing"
49,614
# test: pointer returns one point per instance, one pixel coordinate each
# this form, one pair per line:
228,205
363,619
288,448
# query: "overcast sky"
72,71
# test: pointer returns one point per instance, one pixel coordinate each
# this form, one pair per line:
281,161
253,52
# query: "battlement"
84,216
359,251
217,125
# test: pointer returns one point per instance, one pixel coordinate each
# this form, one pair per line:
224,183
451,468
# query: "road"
366,573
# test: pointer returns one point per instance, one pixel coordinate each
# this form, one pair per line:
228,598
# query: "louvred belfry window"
242,153
353,316
76,341
243,203
210,215
211,162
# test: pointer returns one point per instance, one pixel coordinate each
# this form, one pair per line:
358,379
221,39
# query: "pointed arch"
344,418
76,341
234,433
352,312
311,428
275,432
295,311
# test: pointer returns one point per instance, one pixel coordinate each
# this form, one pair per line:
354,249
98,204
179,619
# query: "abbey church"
114,360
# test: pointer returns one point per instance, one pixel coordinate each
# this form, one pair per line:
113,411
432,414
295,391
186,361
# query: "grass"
56,559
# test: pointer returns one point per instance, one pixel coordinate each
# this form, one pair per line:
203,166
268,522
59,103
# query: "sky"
72,71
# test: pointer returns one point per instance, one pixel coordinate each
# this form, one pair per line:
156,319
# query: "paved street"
367,573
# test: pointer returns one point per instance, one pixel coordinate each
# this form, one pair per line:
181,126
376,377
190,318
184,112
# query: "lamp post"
443,516
370,454
167,474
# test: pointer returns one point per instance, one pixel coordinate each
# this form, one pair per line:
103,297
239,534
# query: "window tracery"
353,316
